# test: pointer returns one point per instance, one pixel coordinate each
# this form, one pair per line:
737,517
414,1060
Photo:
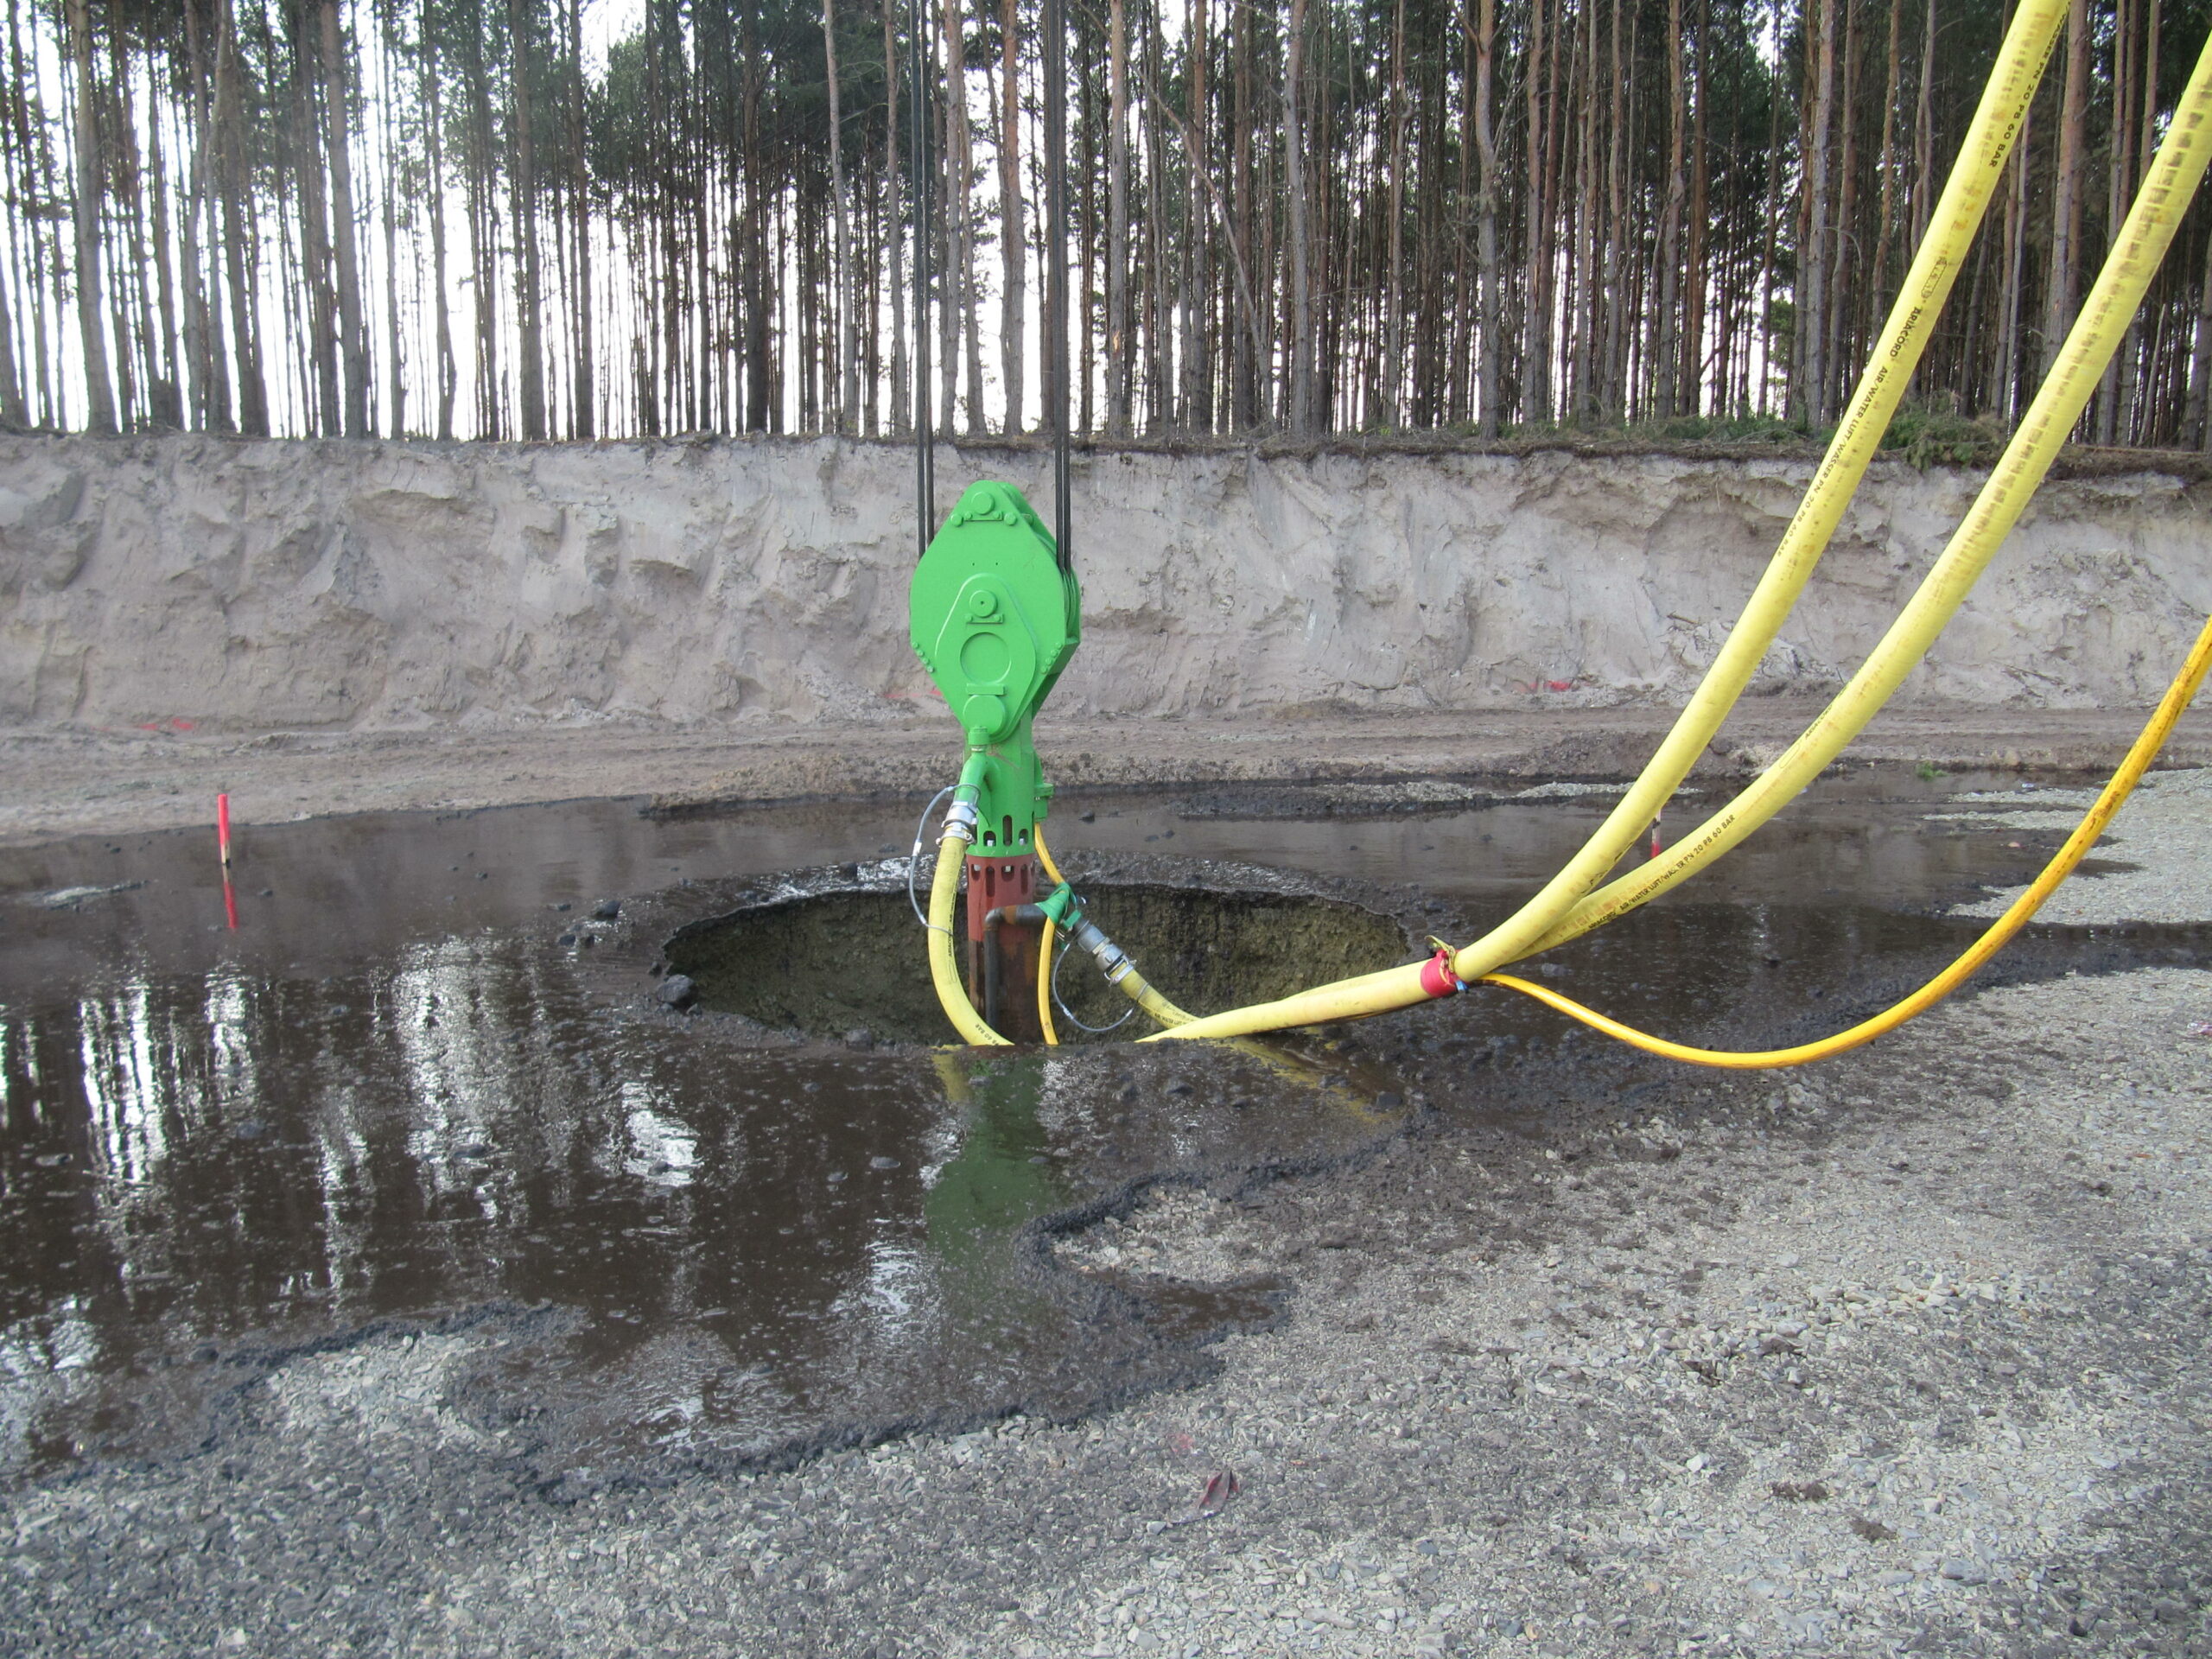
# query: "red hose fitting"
1437,975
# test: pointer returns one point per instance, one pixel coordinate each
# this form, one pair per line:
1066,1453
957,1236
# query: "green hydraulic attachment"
995,618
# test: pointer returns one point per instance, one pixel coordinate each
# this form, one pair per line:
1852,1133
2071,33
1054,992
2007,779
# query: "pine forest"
526,220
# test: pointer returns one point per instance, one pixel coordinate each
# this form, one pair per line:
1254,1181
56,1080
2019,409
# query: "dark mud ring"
835,953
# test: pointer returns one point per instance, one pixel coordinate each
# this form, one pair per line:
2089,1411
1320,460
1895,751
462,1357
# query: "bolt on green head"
995,620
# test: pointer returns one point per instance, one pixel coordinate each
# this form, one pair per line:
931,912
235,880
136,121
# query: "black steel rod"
1019,916
917,152
1054,30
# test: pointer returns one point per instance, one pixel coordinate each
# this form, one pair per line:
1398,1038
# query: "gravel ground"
2163,836
1903,1353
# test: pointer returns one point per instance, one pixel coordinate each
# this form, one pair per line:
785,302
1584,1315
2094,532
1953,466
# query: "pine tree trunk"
1459,363
1613,376
945,250
44,262
1303,370
2063,284
1159,226
354,340
1667,350
169,388
1087,309
530,365
483,236
1488,309
1393,282
393,352
961,218
761,404
1119,367
1582,311
894,219
2105,415
849,368
2120,417
118,155
1924,137
92,326
1768,246
237,238
13,415
433,127
1814,256
2005,390
323,397
1844,236
1013,243
1690,377
585,423
1198,355
1244,398
2197,423
25,240
1892,164
1536,251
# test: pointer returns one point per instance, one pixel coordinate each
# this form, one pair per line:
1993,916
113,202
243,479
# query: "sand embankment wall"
266,585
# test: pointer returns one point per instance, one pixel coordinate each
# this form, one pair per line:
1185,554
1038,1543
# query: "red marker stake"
223,847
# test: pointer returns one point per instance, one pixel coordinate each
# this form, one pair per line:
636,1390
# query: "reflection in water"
662,1148
736,1245
979,1198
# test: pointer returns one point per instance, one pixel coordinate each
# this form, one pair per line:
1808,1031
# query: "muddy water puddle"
424,1087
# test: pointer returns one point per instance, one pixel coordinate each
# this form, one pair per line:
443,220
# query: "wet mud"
426,1085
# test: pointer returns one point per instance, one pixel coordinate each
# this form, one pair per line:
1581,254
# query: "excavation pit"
830,965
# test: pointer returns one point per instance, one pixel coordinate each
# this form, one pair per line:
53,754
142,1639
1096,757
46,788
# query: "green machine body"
995,619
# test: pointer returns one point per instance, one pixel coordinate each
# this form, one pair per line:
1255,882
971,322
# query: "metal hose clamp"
1112,961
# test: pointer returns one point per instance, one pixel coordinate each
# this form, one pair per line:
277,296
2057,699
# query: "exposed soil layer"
759,585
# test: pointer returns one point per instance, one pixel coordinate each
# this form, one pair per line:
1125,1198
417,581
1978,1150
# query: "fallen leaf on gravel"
1213,1498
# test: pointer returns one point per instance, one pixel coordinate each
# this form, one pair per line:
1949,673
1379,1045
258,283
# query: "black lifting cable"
917,155
1053,29
1056,280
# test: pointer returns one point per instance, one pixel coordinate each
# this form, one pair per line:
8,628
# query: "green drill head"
995,620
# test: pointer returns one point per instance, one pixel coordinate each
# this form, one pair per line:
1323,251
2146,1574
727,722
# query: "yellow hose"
1044,946
1044,984
944,895
1045,857
1905,336
1132,984
944,968
2172,181
2016,916
1141,991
